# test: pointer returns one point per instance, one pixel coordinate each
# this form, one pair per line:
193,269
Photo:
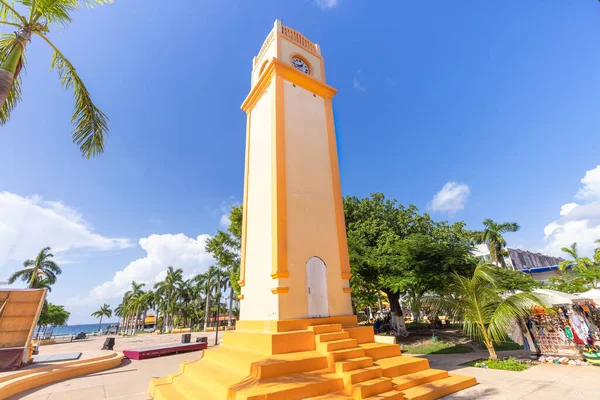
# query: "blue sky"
466,109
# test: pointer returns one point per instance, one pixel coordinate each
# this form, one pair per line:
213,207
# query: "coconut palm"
579,263
492,236
104,311
36,18
140,302
486,315
167,290
210,278
38,273
597,253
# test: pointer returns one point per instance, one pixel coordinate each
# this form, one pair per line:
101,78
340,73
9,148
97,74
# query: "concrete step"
328,337
389,395
436,389
380,350
361,375
328,328
167,392
402,365
352,364
345,354
192,388
418,378
337,345
371,387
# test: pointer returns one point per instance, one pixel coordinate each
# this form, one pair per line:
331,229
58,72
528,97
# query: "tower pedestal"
324,358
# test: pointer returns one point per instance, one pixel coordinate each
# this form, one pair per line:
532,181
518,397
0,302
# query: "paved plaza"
130,380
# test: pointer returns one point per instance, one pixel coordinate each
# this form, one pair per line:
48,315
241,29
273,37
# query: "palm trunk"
207,309
100,324
230,307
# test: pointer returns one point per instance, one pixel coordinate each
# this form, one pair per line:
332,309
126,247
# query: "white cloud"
356,82
591,185
224,221
328,4
451,198
567,208
578,222
28,224
178,251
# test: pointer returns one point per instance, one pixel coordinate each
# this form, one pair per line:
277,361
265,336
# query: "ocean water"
75,329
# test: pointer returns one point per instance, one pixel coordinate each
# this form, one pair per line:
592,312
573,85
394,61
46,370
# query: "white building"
541,267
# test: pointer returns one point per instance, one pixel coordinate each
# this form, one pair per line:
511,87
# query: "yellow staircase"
336,363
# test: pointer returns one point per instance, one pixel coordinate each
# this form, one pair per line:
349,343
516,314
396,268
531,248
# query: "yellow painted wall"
270,52
311,217
259,303
287,49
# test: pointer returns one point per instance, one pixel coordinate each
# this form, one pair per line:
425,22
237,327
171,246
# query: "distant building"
539,266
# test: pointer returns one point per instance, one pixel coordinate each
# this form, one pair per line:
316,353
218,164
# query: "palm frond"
7,41
7,11
91,125
507,312
52,11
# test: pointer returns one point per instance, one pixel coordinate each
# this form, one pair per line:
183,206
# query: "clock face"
300,65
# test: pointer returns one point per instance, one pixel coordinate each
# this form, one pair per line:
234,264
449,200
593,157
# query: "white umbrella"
593,294
555,297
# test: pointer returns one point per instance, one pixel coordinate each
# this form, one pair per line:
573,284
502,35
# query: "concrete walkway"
547,382
543,381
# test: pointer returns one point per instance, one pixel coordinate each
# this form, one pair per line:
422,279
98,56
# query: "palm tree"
492,236
104,311
580,263
38,273
126,305
486,315
140,301
210,280
90,124
597,253
166,290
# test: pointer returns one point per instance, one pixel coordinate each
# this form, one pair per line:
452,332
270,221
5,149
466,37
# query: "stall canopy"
554,297
593,294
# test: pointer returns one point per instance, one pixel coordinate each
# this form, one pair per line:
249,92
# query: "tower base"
321,358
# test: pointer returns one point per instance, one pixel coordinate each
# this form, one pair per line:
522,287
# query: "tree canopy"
399,251
53,315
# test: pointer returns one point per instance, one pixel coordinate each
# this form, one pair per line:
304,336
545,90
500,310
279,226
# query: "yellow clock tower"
294,252
297,337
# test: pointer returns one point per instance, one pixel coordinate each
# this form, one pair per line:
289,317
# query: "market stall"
566,326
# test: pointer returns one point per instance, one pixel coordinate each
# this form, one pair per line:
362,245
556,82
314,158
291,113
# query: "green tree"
166,290
401,252
486,315
37,20
210,279
54,315
508,280
492,236
577,263
597,253
38,273
225,248
104,311
570,283
591,276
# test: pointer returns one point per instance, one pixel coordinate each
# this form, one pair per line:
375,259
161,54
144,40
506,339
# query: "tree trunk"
379,303
396,309
100,324
491,350
229,323
207,310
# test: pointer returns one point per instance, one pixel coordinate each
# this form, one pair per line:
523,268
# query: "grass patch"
509,364
438,348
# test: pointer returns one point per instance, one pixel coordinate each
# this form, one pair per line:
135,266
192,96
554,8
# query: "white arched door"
316,280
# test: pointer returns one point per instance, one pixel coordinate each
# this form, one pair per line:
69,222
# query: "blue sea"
75,329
